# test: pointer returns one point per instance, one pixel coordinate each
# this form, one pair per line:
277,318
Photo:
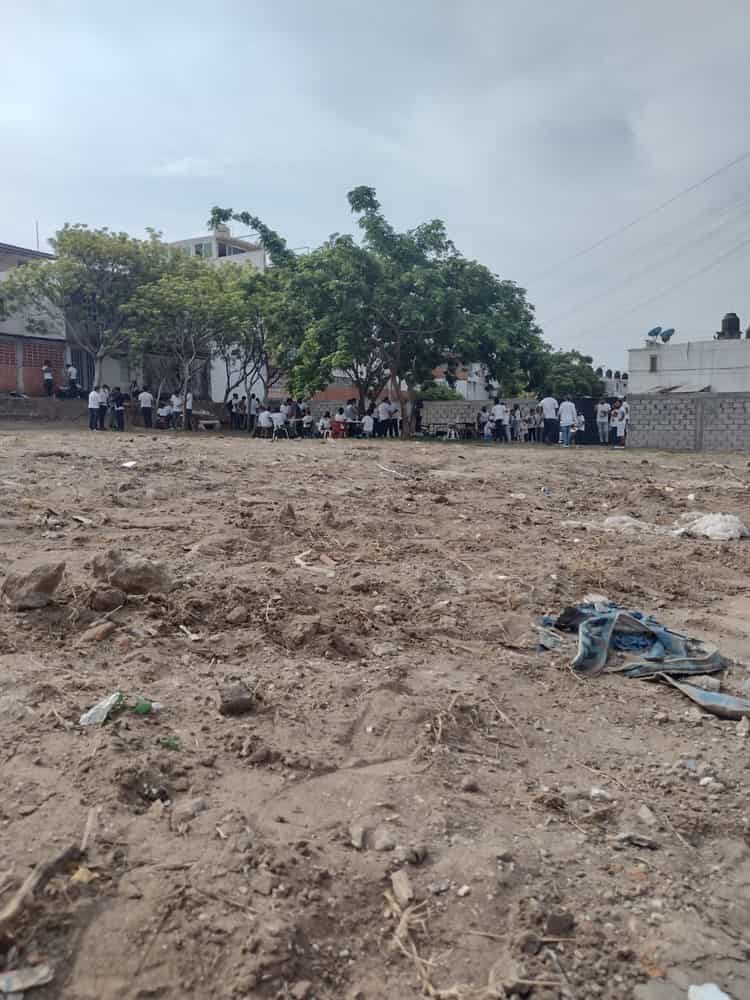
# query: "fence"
690,421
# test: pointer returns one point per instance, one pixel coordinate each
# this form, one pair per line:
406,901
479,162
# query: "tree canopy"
93,277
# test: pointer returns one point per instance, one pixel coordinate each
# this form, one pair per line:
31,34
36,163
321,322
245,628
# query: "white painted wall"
724,365
219,383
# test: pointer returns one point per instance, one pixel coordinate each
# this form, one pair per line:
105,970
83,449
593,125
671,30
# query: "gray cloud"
531,128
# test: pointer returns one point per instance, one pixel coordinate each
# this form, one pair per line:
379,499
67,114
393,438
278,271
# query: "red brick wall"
35,353
8,370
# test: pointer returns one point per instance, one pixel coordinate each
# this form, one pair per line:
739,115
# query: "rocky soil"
366,778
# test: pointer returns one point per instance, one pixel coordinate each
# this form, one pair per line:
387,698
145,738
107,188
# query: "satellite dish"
667,334
655,332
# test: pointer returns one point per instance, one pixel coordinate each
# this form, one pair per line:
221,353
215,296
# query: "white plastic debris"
717,527
623,522
128,465
709,991
99,713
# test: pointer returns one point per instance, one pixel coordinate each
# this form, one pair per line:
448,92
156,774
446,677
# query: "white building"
693,366
221,247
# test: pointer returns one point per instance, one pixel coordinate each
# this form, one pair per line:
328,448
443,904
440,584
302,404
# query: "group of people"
293,418
551,422
169,412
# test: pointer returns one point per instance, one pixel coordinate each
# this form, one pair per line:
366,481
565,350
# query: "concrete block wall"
690,421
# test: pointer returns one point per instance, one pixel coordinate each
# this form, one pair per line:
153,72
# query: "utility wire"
673,287
649,267
642,218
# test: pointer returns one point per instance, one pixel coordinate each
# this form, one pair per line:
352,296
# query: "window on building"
652,361
203,249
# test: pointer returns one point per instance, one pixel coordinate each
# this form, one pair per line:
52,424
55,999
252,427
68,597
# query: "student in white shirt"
602,420
72,373
614,415
307,423
549,416
580,429
568,419
488,430
384,417
103,404
49,378
265,422
621,426
500,417
324,424
393,426
278,418
368,425
146,403
94,408
189,410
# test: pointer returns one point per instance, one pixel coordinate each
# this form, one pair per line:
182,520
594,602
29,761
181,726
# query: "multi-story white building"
221,247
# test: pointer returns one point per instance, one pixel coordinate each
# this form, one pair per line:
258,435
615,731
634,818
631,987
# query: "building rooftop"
10,248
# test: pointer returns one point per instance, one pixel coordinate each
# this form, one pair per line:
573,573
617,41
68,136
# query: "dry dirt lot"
404,720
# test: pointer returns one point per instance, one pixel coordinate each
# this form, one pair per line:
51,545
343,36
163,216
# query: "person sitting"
265,422
339,423
307,424
278,420
368,425
164,416
488,431
324,425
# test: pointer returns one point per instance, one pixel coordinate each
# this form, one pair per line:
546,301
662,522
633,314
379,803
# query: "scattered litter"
170,743
128,465
100,712
717,527
709,991
726,706
85,521
83,875
326,570
623,522
630,839
464,891
192,636
25,979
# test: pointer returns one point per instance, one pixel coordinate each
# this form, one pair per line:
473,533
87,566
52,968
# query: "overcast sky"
532,128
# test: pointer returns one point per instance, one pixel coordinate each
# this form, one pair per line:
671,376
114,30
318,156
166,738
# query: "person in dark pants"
146,404
117,402
94,408
49,378
103,404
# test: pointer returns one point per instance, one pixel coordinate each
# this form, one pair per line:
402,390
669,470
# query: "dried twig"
35,882
602,774
393,472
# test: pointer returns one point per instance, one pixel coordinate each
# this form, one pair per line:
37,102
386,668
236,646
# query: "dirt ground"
382,603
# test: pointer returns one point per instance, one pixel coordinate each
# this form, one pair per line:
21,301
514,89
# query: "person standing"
384,417
568,420
103,404
146,404
117,402
350,417
549,416
621,427
72,373
613,418
48,377
500,418
189,410
94,408
252,412
602,420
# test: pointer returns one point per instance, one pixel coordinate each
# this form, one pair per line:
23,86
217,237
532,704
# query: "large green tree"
185,314
94,275
393,308
568,373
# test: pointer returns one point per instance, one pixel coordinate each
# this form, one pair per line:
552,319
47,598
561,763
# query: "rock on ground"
27,589
132,573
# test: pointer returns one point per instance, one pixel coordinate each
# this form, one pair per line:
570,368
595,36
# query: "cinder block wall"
691,422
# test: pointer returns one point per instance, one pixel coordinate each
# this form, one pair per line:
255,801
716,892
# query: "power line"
650,267
673,287
642,218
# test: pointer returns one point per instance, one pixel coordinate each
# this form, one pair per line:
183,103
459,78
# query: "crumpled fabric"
604,626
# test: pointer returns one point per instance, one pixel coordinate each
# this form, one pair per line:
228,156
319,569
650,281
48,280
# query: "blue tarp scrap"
664,654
